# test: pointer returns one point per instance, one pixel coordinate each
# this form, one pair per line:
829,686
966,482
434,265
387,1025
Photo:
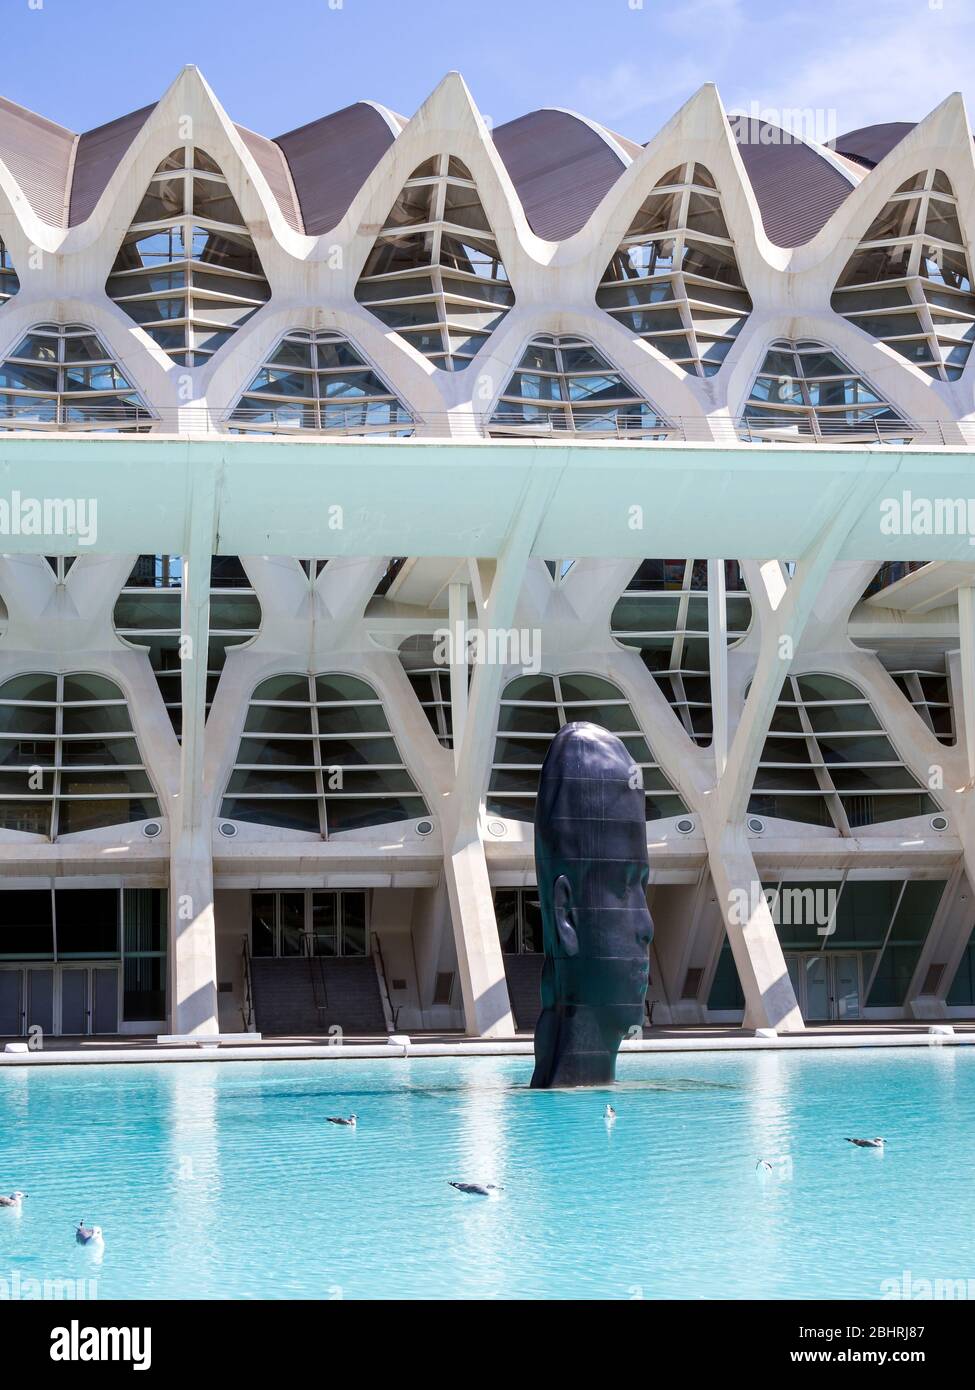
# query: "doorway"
79,1000
828,984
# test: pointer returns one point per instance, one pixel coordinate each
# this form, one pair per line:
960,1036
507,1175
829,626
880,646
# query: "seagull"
476,1189
15,1199
342,1120
763,1166
867,1143
609,1114
88,1235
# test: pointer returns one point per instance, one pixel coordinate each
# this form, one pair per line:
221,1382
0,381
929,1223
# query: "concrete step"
288,992
524,977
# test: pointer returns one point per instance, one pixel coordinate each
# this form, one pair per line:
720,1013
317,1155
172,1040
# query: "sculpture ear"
562,910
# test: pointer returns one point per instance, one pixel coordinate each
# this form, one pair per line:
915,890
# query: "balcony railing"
781,430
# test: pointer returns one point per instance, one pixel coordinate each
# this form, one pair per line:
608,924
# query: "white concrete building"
290,428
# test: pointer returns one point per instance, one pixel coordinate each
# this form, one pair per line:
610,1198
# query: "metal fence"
840,428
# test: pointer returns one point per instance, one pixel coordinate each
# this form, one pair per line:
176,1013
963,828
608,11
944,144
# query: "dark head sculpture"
592,870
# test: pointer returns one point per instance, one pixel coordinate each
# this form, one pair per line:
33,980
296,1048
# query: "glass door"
816,981
74,1000
846,985
40,998
104,999
11,1003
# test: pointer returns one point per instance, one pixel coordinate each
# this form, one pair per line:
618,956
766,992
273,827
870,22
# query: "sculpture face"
592,870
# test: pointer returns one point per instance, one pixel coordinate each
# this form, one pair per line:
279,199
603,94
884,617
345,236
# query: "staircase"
524,977
304,995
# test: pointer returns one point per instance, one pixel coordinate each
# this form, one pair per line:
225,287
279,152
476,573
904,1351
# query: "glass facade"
663,613
309,922
805,391
61,376
567,384
188,272
69,759
533,709
849,944
519,917
431,685
827,761
148,614
435,274
320,381
674,280
9,283
317,755
909,282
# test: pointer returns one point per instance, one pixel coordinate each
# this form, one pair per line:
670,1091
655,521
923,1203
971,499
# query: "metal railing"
247,1009
389,1012
316,972
785,428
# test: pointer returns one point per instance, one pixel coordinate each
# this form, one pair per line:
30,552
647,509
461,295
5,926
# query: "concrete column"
457,600
718,656
192,938
487,1008
783,610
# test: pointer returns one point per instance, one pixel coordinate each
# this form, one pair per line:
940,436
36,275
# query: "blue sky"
278,63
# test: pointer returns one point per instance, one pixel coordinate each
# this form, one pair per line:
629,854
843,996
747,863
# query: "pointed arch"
188,272
435,273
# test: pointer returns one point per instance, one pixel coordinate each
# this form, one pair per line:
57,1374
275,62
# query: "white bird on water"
609,1114
88,1235
16,1199
763,1166
348,1120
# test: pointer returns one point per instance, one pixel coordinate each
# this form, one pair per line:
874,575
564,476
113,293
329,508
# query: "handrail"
247,1010
316,972
850,425
390,1014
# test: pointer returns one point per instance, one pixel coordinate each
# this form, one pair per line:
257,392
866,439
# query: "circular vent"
229,830
424,827
685,826
151,829
939,822
497,827
756,826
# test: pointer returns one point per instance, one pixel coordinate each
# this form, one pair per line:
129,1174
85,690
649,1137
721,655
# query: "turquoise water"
223,1180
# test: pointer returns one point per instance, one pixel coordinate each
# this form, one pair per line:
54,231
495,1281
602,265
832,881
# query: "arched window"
533,709
827,761
805,390
61,376
317,754
69,759
319,381
674,279
435,274
663,613
188,271
909,282
148,614
567,384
